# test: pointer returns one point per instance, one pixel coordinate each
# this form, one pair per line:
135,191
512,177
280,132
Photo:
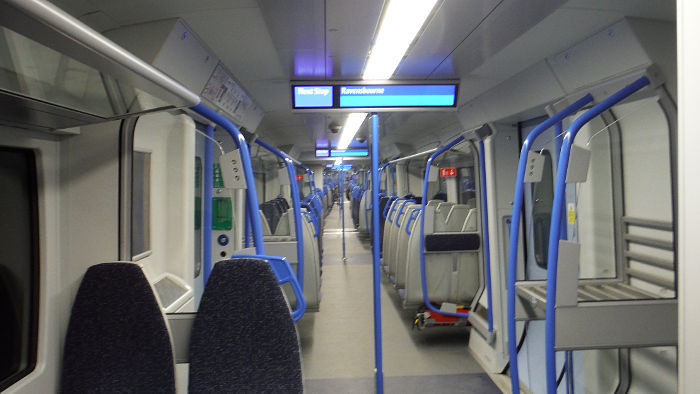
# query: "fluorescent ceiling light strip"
402,21
352,124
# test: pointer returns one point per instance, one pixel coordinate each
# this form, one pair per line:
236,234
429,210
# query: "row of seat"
452,247
242,339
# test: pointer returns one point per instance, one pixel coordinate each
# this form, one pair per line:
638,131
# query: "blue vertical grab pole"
207,209
515,227
569,356
375,257
342,204
553,250
296,205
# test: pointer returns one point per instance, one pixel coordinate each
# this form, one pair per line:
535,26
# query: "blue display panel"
312,96
322,152
368,96
349,152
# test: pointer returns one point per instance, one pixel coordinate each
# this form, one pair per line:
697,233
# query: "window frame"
32,346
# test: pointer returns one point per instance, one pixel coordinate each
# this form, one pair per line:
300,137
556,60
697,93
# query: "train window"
19,265
467,187
141,205
543,198
197,216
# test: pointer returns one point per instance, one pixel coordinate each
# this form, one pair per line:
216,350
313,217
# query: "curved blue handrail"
294,188
514,230
387,206
251,192
411,218
393,208
311,217
554,230
310,174
316,204
424,283
400,213
285,274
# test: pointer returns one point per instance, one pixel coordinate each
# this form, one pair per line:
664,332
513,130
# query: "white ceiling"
268,43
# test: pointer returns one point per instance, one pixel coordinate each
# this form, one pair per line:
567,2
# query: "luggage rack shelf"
590,290
608,313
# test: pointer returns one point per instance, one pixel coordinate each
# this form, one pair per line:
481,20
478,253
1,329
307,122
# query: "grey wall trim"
126,149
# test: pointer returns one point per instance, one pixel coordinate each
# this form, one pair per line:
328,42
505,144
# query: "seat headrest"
244,339
117,340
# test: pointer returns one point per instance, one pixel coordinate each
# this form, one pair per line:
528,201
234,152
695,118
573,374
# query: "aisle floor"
338,341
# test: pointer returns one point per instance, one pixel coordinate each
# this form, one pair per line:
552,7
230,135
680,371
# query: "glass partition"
31,69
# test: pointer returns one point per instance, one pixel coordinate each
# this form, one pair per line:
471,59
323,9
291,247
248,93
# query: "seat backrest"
264,223
433,203
243,338
456,217
470,222
117,339
283,226
441,212
269,211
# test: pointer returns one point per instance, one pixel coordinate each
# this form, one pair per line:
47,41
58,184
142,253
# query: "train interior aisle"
336,342
333,196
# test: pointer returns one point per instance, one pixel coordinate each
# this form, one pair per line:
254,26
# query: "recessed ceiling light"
352,124
401,23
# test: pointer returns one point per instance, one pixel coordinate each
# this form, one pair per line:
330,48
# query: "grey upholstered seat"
117,340
243,338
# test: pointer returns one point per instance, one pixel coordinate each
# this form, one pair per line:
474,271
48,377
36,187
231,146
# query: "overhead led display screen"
349,152
369,96
313,96
421,97
339,166
322,153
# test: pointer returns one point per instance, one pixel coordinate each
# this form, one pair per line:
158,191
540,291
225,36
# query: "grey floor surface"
338,341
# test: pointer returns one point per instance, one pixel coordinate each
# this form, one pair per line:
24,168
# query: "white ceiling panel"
508,21
298,30
244,45
651,9
539,42
451,24
350,27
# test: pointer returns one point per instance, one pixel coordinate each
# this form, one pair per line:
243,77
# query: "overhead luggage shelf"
59,73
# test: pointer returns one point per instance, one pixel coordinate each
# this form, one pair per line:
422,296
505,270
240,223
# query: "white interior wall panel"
688,190
170,140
